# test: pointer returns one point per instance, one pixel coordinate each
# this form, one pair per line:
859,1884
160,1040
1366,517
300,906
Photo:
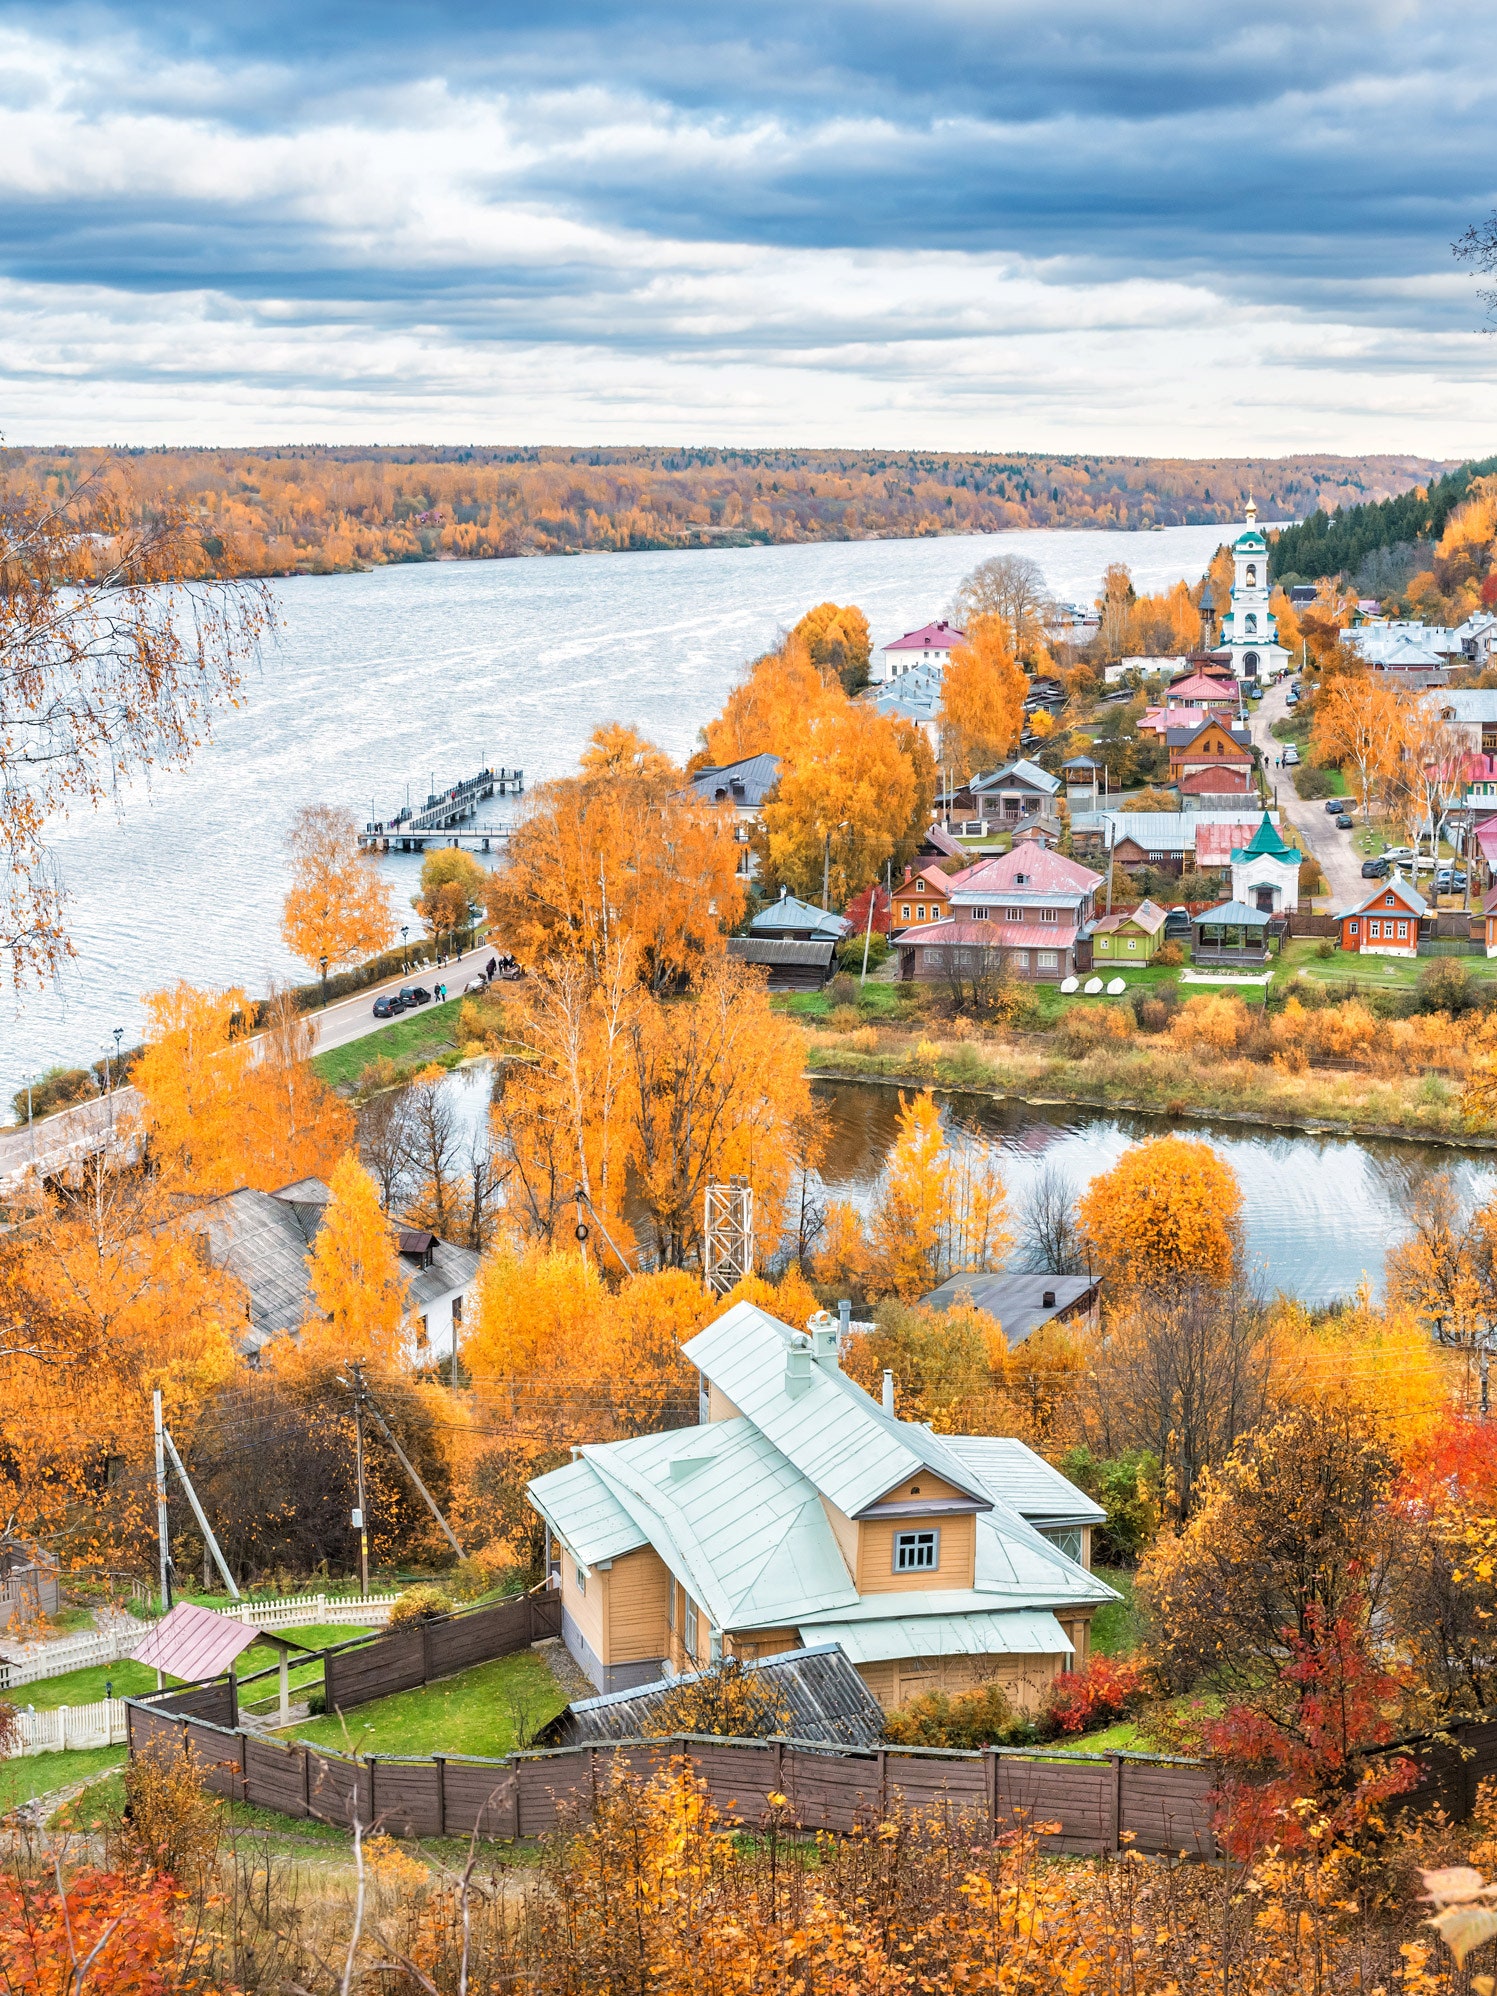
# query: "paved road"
1339,859
54,1142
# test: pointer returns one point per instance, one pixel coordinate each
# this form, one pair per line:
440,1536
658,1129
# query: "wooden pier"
445,819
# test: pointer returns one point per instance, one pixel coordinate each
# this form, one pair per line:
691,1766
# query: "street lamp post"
404,965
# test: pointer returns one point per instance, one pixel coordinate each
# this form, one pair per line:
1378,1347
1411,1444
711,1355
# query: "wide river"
385,680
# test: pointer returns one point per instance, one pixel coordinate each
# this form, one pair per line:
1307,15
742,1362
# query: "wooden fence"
1094,1803
425,1651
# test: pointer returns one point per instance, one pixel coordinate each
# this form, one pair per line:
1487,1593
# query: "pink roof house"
930,645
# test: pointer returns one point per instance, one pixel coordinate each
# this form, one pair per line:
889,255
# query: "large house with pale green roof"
802,1512
1265,872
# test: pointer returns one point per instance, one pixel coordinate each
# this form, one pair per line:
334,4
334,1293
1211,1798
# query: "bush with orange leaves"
94,1934
1211,1024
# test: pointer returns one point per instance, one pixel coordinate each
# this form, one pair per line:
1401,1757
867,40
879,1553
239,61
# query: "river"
385,679
1319,1213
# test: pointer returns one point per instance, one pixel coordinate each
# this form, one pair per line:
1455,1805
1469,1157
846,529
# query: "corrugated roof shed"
821,1695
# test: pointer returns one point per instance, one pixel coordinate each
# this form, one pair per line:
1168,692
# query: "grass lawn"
471,1713
431,1031
1116,1626
131,1680
40,1773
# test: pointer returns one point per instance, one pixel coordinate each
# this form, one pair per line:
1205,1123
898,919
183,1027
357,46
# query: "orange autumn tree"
982,699
623,851
782,695
357,1291
1359,722
337,906
856,790
221,1112
1168,1213
937,1211
836,639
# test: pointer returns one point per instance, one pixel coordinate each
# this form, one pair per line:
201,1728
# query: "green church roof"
1266,843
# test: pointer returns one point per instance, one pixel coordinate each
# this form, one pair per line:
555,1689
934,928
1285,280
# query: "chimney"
823,1332
889,1394
844,1321
1047,1301
798,1367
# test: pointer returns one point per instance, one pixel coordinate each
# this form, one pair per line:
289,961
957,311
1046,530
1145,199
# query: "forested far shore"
315,510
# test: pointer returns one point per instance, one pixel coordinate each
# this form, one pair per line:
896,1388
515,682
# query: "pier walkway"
444,819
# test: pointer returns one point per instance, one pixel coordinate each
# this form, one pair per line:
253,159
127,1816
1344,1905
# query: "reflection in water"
1319,1213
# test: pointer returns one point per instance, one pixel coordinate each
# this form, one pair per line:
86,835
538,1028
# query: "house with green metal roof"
1265,872
802,1512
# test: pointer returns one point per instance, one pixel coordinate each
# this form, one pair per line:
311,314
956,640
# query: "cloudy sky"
1180,226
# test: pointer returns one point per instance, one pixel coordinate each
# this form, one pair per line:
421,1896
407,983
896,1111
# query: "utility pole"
210,1543
360,1516
162,1529
868,931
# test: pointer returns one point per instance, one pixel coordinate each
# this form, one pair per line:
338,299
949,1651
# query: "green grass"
40,1773
1117,1626
467,1714
413,1036
132,1680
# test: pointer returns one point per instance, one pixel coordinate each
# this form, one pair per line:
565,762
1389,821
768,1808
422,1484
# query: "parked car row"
390,1004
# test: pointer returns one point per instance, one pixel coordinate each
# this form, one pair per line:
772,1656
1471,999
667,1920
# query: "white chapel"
1250,632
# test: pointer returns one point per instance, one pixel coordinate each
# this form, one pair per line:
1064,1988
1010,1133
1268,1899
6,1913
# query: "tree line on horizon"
322,510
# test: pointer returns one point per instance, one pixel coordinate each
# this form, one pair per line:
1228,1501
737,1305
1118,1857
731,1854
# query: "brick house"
1386,923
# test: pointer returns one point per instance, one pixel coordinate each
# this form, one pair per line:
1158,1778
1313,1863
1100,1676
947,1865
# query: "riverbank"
1156,1078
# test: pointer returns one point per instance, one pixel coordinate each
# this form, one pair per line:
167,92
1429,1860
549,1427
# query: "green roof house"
1265,872
802,1512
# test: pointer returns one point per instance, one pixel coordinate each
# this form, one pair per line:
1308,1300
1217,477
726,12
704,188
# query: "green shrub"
1325,949
1311,781
422,1603
1445,986
1127,1488
976,1718
843,990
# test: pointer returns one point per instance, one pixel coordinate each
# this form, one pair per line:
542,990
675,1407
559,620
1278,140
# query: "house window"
1351,928
457,1313
1049,914
981,914
919,914
1388,901
691,1626
1047,959
917,1552
904,913
1066,1539
1133,942
919,886
1403,928
579,1576
670,1607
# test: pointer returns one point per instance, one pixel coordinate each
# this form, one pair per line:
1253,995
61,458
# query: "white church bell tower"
1250,634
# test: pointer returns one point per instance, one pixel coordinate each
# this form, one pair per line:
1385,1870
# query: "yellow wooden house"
803,1512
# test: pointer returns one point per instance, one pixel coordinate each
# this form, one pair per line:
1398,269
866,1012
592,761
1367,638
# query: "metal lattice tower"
728,1254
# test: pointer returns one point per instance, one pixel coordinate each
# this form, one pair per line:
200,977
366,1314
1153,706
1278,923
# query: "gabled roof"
1043,871
820,1694
929,637
1184,737
1148,916
1202,689
1020,770
941,841
1412,899
1221,779
953,930
787,914
747,782
838,1437
1016,1297
1015,1632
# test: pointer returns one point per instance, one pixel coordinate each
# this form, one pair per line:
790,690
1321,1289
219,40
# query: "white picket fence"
302,1610
41,1660
100,1724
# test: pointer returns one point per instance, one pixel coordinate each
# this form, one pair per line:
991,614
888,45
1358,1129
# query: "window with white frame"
691,1626
917,1552
1047,959
1049,914
579,1575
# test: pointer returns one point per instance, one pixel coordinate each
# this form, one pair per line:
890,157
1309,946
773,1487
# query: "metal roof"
747,782
1020,770
1016,1476
781,950
449,1270
193,1642
836,1434
1016,1297
1233,915
817,1689
583,1512
1015,1633
788,913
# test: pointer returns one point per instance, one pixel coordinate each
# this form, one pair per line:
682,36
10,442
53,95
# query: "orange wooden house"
923,897
1386,923
1211,745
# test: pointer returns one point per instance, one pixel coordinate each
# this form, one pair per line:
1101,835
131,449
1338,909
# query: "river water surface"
386,679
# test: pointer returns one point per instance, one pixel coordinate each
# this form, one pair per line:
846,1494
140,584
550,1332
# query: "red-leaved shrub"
1083,1700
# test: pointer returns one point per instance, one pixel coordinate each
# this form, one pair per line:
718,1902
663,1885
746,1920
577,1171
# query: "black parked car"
390,1006
1374,869
414,994
1333,805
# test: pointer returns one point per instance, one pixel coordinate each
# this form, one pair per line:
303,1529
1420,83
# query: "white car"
1291,756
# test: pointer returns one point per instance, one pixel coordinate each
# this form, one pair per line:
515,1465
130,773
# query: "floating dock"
445,819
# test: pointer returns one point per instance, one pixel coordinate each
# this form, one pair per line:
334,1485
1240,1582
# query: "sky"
1180,227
